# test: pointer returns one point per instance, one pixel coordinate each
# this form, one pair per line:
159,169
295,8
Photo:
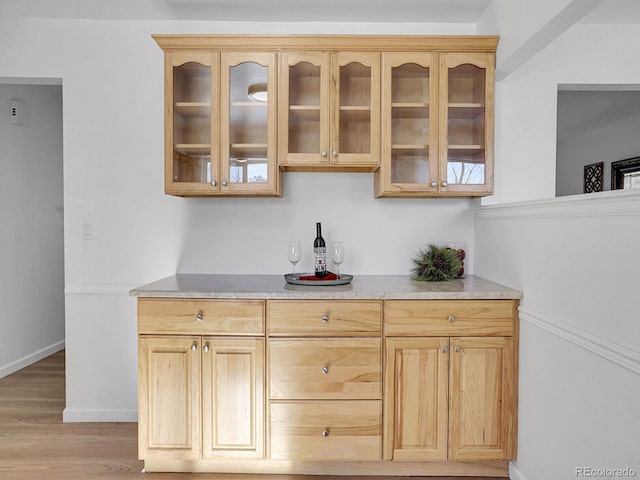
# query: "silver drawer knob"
334,153
434,184
205,349
445,184
325,318
193,348
224,183
325,432
452,319
325,370
323,153
456,348
213,183
199,316
445,349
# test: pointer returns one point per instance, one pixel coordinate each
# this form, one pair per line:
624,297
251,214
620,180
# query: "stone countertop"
363,287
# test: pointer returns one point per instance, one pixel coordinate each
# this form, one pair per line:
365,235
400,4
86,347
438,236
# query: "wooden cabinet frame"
329,52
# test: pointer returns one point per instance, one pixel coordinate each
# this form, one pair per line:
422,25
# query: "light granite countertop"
363,287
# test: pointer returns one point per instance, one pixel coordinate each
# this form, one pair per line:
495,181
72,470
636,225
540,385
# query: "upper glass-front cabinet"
329,109
466,127
221,132
191,97
248,134
409,124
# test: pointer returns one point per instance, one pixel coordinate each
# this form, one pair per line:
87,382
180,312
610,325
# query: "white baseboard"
31,358
83,415
515,473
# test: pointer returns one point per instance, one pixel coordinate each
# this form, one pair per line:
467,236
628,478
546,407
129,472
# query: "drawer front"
207,317
330,317
330,430
449,317
344,368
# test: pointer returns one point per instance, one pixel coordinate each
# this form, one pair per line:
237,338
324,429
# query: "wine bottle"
320,253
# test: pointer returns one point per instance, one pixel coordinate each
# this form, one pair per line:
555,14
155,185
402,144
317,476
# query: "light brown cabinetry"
325,393
328,386
460,388
200,379
416,110
437,124
329,109
218,141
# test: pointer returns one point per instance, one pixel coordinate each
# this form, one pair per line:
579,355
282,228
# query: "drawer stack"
325,394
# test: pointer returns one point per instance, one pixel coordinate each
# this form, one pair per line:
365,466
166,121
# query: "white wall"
31,219
575,258
113,176
603,127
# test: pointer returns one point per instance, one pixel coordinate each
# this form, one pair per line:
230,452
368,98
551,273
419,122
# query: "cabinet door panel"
303,116
409,160
191,122
233,398
248,126
466,122
169,397
416,379
481,400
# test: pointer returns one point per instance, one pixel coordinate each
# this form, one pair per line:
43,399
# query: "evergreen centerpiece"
436,264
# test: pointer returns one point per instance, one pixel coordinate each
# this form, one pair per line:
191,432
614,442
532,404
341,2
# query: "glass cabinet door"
191,94
409,124
355,109
248,136
304,109
467,87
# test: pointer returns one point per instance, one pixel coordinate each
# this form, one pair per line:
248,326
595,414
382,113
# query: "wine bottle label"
320,257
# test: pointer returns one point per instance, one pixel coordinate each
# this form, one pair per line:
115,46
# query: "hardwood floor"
36,445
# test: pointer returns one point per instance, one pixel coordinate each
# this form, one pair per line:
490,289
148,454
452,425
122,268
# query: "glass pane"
466,125
410,124
248,132
304,108
410,166
192,123
355,108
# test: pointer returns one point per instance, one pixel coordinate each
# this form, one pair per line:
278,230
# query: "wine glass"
295,253
337,256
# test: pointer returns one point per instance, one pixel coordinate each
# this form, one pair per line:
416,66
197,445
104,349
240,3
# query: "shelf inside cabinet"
200,149
410,110
248,150
465,110
250,104
409,147
193,109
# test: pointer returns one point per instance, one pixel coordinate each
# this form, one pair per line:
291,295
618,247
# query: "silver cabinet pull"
323,153
193,348
456,348
325,432
445,184
325,370
200,316
452,319
325,318
205,349
213,183
445,349
334,153
224,183
434,184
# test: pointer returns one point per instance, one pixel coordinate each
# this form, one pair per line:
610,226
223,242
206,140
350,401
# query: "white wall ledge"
608,203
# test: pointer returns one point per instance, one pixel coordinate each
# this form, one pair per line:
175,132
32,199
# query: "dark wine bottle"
320,253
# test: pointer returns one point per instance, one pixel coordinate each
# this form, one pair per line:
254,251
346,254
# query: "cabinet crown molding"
404,43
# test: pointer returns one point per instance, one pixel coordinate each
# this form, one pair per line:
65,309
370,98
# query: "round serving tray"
296,280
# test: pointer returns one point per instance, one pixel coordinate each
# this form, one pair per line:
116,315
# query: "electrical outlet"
16,113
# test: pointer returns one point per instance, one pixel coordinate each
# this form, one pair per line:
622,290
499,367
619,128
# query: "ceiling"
415,11
386,11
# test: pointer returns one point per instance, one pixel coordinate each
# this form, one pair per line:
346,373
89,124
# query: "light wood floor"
36,445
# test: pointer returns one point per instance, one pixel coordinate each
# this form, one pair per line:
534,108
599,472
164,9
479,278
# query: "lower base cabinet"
369,387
